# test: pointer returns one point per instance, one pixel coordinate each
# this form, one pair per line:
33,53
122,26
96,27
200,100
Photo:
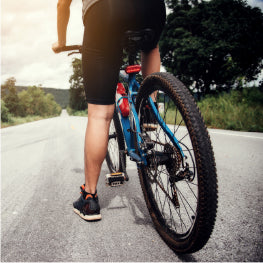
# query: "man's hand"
56,47
63,12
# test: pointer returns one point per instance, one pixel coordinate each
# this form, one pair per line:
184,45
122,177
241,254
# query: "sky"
28,29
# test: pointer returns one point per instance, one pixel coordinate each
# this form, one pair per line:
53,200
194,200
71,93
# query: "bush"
12,101
81,113
5,114
237,110
34,101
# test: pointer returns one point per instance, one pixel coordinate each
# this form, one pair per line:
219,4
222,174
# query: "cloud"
256,3
28,31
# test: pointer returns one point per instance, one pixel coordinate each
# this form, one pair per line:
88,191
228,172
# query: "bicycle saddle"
136,40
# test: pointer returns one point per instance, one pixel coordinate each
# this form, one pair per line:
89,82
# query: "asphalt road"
42,169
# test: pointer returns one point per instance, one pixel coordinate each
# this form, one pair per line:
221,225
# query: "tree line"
32,101
212,46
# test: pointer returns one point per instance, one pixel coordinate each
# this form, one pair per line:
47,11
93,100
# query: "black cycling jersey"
105,24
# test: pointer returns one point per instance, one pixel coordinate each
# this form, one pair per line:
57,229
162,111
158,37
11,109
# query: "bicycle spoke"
191,189
187,134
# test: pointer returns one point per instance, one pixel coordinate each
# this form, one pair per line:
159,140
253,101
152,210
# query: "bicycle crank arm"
135,157
123,165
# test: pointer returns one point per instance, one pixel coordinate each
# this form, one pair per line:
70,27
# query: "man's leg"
96,142
151,62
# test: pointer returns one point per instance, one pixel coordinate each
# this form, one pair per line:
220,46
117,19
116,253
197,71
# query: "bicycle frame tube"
128,125
131,126
133,86
164,126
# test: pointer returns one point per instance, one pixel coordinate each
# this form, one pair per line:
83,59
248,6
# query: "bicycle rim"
115,145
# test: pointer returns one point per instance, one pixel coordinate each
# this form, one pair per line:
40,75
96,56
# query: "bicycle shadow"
126,197
130,196
186,257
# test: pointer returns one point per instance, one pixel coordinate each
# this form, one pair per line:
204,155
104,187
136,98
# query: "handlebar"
76,48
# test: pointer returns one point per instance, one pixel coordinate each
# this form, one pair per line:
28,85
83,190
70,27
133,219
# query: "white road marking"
234,134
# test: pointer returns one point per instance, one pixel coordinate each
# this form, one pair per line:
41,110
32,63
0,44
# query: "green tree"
213,44
9,95
77,100
25,101
52,108
10,82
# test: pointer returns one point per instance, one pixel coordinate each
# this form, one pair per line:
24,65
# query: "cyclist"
105,23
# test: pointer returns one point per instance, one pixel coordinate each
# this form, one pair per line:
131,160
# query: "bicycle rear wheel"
180,192
115,157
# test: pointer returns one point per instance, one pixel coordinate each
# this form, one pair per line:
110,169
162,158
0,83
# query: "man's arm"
63,13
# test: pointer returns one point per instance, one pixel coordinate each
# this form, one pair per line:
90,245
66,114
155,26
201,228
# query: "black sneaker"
87,206
148,119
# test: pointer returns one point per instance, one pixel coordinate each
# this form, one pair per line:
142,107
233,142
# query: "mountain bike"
165,135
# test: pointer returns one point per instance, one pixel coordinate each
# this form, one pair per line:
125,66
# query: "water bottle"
122,103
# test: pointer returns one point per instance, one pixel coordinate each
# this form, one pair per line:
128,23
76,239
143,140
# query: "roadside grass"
240,110
172,117
12,120
82,113
237,110
21,120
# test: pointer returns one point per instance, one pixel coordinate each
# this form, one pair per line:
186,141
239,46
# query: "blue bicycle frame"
131,124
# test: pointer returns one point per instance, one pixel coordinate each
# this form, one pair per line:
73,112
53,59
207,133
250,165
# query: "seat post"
132,57
135,40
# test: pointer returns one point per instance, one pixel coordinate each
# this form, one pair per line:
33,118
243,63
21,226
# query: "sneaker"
87,206
148,119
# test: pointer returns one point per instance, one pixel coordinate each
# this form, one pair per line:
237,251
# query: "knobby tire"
116,146
155,180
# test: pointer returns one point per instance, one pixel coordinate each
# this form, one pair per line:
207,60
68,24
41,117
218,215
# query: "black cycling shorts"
105,25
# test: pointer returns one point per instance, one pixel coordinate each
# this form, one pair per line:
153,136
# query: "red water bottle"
122,103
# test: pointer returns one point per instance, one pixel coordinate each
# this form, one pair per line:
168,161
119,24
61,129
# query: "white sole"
87,217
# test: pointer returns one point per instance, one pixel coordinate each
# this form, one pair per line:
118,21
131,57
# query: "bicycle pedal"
115,179
150,126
